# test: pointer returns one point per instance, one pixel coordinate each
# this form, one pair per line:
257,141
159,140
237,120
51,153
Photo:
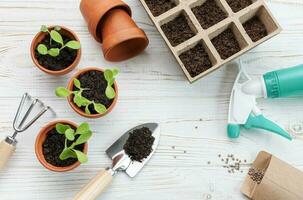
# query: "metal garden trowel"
121,162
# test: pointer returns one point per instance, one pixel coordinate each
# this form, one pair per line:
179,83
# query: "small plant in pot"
62,145
92,92
56,50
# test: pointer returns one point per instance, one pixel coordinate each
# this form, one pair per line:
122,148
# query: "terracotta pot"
76,108
110,22
40,140
40,36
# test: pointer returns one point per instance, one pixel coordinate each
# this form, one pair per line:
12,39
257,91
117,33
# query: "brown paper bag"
280,181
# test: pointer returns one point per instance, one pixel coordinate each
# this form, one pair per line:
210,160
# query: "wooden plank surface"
152,88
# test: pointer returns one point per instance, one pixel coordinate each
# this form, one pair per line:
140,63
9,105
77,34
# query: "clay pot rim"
128,35
51,72
38,148
104,7
76,108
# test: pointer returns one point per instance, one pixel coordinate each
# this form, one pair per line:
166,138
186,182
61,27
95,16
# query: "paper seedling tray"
234,21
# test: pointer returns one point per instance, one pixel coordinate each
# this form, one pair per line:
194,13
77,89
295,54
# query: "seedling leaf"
108,75
73,44
99,108
83,128
81,156
69,134
110,92
115,72
62,92
42,49
67,153
78,100
87,111
84,137
54,52
77,83
61,128
44,29
56,37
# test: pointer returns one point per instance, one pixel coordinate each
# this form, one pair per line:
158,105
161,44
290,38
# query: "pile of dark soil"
53,147
196,60
237,5
178,30
209,14
255,29
226,44
66,57
158,7
96,83
139,144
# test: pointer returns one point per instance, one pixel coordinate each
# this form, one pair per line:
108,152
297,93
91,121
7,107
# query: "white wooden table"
152,88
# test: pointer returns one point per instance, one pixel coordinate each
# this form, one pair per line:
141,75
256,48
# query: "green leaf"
77,83
62,92
81,101
100,108
81,156
110,92
78,100
42,49
69,134
67,153
84,137
44,29
55,35
115,72
61,128
87,111
57,28
83,128
73,44
108,75
54,52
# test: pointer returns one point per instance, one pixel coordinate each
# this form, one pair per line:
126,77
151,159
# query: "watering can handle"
95,187
6,151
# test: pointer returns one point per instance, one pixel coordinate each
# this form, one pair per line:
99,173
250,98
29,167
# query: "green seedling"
79,136
81,101
55,36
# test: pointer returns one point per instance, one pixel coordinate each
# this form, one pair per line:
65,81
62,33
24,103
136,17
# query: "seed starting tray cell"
181,23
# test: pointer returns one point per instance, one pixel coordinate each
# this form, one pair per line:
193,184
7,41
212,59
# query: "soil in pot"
196,60
139,144
255,29
53,146
209,14
66,57
226,44
178,30
96,84
158,7
237,5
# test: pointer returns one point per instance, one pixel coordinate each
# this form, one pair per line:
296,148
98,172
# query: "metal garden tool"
121,162
8,146
243,110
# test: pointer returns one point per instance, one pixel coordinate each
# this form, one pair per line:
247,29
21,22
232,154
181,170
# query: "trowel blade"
116,149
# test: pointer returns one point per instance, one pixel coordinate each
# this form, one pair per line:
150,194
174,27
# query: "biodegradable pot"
110,22
39,150
40,36
79,110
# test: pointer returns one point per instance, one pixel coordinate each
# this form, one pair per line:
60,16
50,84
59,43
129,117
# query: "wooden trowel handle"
95,187
6,151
